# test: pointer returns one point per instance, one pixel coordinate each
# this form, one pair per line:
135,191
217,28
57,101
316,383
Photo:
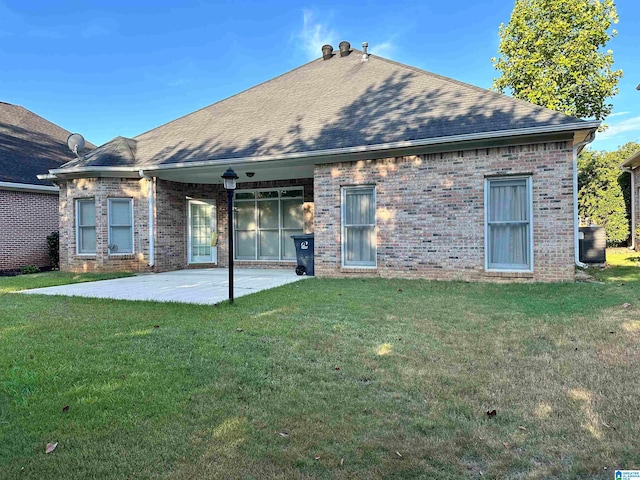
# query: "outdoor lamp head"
230,178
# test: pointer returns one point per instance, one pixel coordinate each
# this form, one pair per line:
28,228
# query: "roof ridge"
228,98
473,87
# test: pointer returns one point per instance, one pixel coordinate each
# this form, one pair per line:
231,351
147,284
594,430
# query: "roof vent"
365,55
327,52
345,48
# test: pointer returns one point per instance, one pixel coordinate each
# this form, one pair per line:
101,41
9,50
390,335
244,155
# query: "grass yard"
326,379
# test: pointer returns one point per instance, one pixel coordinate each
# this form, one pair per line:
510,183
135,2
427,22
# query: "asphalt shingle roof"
327,104
29,145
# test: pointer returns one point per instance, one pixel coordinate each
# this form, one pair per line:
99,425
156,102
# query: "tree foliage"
551,54
603,191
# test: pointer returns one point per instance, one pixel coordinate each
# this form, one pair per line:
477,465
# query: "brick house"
631,165
29,145
399,173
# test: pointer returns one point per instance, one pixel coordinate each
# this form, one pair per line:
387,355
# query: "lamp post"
230,178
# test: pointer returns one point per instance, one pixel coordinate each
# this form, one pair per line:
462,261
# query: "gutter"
576,224
571,127
150,196
633,207
29,187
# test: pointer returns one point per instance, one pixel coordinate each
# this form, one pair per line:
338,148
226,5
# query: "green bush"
53,245
29,269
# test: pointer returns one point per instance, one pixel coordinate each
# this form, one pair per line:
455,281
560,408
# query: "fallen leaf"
283,434
122,377
506,445
317,457
65,409
626,305
522,428
239,329
399,290
50,447
341,461
491,413
399,454
156,326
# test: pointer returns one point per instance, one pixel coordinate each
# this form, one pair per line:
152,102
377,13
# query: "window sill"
244,260
371,269
508,274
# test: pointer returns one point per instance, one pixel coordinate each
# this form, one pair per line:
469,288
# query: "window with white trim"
265,221
359,226
508,223
86,226
120,226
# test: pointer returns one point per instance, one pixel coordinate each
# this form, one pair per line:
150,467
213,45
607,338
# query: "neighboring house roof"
332,105
30,145
633,161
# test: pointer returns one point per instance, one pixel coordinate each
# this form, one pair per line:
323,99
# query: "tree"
602,195
551,54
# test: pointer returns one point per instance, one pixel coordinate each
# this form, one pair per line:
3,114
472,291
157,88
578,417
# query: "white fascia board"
29,187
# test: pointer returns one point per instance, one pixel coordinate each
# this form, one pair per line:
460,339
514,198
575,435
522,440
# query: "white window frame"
281,228
109,226
487,247
343,226
80,227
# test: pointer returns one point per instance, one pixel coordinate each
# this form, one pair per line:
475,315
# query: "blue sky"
108,68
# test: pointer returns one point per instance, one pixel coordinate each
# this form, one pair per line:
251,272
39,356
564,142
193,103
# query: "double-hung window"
86,226
509,227
120,226
359,226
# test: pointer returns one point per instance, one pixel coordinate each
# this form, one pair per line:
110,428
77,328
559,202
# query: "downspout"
150,197
633,207
576,223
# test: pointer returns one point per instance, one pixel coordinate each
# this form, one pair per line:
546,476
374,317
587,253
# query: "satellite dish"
75,142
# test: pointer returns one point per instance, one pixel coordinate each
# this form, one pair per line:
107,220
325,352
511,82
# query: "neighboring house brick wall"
636,206
430,212
26,219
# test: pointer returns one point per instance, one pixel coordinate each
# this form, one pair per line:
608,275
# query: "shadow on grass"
616,274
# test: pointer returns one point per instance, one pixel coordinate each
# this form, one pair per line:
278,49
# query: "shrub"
53,245
29,269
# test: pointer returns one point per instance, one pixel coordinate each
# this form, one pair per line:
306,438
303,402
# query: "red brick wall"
171,242
430,212
26,219
171,201
101,189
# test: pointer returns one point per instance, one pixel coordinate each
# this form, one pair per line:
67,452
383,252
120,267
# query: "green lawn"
326,379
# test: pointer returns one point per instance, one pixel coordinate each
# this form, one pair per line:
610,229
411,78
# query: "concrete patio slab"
201,286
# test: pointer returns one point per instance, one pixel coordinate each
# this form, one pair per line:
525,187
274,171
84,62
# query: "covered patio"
205,286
